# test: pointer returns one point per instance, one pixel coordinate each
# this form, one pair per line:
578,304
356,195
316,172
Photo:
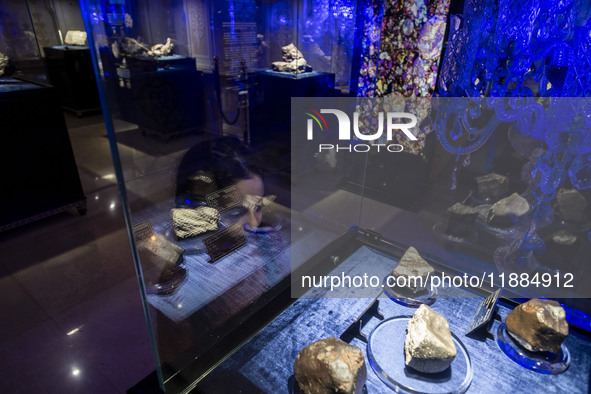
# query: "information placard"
225,242
224,199
484,312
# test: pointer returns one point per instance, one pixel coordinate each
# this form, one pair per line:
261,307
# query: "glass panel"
454,193
200,126
238,177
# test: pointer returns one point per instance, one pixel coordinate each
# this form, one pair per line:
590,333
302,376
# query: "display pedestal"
40,177
69,69
162,95
270,109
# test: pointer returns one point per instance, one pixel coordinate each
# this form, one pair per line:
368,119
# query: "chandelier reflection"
532,77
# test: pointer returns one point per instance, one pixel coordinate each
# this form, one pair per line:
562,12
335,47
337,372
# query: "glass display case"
67,60
292,171
19,50
39,166
45,41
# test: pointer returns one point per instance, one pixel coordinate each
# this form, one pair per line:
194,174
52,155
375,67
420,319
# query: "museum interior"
295,196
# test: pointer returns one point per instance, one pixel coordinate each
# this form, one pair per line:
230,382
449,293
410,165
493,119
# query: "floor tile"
80,274
19,310
111,330
44,360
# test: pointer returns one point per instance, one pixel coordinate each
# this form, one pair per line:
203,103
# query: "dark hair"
226,159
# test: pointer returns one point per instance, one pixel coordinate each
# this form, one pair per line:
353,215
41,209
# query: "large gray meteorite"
504,211
429,346
412,266
330,366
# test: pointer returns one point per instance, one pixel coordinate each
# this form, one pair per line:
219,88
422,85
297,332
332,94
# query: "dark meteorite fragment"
492,186
164,255
538,325
330,366
461,220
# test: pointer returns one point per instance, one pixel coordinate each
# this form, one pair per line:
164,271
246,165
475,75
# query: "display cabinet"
19,50
67,61
373,187
43,178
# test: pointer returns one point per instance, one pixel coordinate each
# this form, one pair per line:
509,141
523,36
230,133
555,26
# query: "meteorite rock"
192,222
562,246
503,211
538,325
571,206
75,37
492,186
292,61
411,266
429,346
461,220
330,366
162,49
163,254
3,63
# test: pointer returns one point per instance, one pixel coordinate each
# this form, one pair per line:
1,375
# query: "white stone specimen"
428,346
412,265
292,61
162,49
75,37
3,62
512,206
192,222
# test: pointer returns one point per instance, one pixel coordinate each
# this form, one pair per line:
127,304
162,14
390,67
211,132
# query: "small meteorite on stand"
429,346
538,325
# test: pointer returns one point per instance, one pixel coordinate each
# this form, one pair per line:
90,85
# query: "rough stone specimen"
160,252
429,346
75,37
492,186
538,325
502,212
162,49
330,366
571,206
292,61
3,62
192,222
412,265
461,220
